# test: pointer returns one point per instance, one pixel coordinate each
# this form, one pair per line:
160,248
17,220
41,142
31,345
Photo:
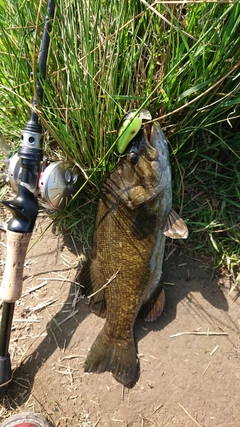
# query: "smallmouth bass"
123,274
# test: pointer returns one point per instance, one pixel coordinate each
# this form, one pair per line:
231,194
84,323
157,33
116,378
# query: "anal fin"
153,308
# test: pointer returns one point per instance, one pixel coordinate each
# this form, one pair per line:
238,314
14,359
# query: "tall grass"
181,61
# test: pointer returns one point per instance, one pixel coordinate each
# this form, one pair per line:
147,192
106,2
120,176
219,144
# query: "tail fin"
116,356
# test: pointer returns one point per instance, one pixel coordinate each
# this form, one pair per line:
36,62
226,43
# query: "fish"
122,278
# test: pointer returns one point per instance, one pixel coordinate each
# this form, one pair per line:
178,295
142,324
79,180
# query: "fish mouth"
138,143
144,143
158,139
151,144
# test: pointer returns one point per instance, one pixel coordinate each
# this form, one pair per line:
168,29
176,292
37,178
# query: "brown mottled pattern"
129,240
131,255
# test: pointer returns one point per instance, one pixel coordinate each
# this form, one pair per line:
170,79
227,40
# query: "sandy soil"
189,358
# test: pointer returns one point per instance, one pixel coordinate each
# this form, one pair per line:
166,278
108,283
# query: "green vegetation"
182,62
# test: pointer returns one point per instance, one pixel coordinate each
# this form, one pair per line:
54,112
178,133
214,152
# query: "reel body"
57,183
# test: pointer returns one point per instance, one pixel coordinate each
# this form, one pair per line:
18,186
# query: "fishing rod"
36,181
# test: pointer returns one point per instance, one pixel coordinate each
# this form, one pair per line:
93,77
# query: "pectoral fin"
90,280
175,226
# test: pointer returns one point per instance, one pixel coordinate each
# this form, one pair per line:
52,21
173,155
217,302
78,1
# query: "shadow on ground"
183,277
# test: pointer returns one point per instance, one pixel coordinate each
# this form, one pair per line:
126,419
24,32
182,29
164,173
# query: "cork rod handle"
11,287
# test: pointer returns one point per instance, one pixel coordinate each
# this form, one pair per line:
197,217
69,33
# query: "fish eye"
134,158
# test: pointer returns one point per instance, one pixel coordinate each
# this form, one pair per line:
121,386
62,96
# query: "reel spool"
58,183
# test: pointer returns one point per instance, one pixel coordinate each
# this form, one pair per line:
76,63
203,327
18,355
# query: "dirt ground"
189,358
